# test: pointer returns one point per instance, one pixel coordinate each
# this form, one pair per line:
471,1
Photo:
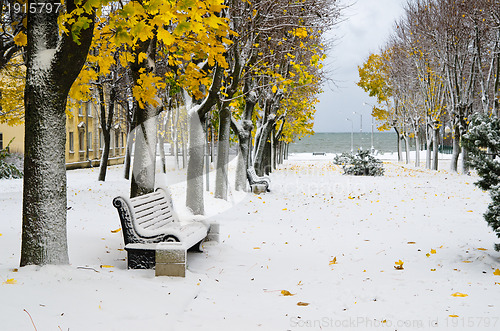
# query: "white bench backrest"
154,210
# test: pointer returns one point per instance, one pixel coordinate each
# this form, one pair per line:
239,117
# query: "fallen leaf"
302,303
453,315
466,261
256,248
117,230
285,209
496,272
106,266
399,265
10,281
459,295
0,234
411,243
482,249
433,269
427,255
469,211
433,251
286,293
334,261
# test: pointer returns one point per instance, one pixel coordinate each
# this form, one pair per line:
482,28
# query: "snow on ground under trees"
409,250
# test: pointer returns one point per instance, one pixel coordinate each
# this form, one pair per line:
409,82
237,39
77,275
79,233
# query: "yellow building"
84,140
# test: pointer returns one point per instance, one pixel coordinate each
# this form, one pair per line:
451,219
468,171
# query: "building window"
81,141
89,109
71,142
1,140
122,140
89,142
80,110
117,139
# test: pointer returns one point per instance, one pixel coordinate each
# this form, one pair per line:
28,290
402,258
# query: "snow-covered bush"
483,143
7,167
360,164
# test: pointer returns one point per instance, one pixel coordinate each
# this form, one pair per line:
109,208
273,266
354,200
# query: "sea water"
338,142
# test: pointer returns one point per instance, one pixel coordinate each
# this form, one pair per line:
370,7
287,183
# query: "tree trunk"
106,124
128,153
465,159
435,148
54,61
221,176
162,153
143,172
194,192
407,148
417,149
456,151
399,147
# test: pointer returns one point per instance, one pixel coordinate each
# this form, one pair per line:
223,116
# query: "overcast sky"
367,27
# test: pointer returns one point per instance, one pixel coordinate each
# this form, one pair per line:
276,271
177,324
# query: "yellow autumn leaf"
433,251
459,295
334,261
482,249
275,88
453,315
399,265
300,303
496,272
106,266
117,230
0,234
286,293
20,39
427,255
10,281
467,261
411,243
256,248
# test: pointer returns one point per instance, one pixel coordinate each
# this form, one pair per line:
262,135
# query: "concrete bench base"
259,188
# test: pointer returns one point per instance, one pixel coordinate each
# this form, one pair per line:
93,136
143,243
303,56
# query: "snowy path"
288,240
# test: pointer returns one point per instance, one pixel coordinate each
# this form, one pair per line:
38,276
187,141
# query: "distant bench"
319,153
154,236
257,184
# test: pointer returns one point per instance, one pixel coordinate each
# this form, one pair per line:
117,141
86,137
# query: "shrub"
360,164
7,169
483,143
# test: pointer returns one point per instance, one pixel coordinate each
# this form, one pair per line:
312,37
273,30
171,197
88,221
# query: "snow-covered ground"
330,240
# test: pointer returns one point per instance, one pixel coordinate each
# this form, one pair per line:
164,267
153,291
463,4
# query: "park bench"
257,184
155,237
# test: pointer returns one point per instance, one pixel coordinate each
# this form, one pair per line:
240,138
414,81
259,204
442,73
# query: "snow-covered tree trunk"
465,161
456,151
221,175
143,171
417,149
128,153
407,148
435,148
194,193
244,138
106,123
54,61
161,142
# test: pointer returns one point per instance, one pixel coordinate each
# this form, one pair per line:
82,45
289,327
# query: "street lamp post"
352,134
373,148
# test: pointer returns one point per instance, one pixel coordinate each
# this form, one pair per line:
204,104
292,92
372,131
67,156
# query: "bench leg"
170,260
213,232
140,258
